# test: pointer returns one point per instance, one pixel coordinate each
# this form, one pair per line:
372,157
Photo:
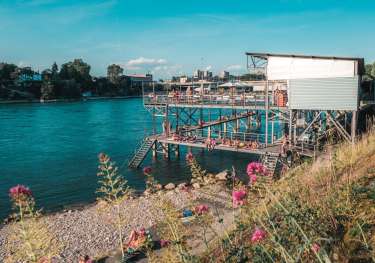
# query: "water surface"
53,148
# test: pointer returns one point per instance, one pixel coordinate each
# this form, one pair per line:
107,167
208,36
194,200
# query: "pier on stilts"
300,104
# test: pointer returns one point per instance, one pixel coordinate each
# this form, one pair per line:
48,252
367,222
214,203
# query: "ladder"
141,153
272,164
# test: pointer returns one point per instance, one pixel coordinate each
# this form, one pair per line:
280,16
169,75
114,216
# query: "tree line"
73,80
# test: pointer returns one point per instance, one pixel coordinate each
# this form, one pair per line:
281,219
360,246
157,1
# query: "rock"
221,176
182,186
196,186
158,187
170,186
147,192
210,175
208,180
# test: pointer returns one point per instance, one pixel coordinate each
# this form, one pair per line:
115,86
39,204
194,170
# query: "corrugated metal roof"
324,94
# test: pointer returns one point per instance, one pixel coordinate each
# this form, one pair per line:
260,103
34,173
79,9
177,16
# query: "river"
52,148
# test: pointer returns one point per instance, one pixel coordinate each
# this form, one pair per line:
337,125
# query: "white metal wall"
324,93
279,68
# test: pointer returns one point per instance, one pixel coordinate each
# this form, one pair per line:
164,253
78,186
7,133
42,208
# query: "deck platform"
274,149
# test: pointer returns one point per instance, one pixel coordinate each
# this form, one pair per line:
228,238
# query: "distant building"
134,78
224,75
135,81
184,79
202,75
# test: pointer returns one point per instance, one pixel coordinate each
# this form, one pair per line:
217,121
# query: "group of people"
240,144
211,143
181,138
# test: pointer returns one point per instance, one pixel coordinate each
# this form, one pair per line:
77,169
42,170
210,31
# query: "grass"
318,212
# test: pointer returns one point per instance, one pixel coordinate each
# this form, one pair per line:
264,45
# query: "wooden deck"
199,143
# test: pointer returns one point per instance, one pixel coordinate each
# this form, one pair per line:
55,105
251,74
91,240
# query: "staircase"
272,163
141,153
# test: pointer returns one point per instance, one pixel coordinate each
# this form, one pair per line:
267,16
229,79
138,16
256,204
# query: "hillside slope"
318,212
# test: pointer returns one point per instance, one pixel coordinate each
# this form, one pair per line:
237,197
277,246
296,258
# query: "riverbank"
88,231
67,100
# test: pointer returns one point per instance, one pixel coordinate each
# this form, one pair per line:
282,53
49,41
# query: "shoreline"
85,230
5,102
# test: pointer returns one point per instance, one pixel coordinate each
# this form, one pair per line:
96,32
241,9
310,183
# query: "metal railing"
232,99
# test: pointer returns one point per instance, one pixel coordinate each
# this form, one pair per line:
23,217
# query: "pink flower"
189,157
103,158
315,247
164,243
258,235
19,191
201,209
238,198
254,169
142,232
147,170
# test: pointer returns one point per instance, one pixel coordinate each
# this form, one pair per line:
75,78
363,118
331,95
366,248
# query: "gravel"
89,232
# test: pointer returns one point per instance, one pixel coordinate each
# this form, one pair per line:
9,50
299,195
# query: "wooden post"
266,112
154,152
166,150
224,130
177,151
290,125
354,126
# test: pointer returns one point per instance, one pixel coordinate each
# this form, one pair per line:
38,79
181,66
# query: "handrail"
234,99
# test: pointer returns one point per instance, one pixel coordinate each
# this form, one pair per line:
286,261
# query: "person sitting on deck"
284,143
254,145
175,137
236,143
208,142
248,145
212,144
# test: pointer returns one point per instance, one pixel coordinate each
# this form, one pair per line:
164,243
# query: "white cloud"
209,67
167,70
234,67
142,63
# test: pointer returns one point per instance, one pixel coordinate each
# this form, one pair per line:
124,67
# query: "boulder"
147,192
158,187
222,176
208,180
196,186
182,185
170,186
210,175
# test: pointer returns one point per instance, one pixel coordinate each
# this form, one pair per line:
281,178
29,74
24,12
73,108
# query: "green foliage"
113,187
29,239
6,71
113,191
197,173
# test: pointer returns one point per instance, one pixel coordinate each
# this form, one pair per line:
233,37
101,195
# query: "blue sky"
176,37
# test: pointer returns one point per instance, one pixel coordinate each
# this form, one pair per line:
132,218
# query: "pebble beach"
88,231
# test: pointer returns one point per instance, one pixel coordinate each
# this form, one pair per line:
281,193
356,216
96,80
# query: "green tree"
373,70
77,70
114,72
6,70
54,69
